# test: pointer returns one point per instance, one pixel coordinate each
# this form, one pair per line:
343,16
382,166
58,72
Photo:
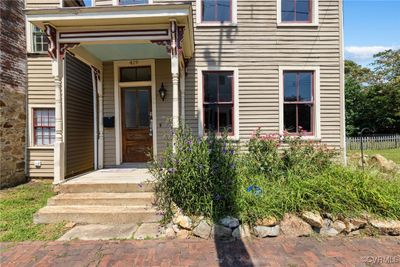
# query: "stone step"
108,187
87,214
106,199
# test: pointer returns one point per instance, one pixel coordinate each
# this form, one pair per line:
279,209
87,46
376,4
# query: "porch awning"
117,24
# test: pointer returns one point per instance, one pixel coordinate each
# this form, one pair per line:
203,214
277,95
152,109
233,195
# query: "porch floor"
117,175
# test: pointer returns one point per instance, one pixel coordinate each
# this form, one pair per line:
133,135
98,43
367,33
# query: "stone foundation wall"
13,72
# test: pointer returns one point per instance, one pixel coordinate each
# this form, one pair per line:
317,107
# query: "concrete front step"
105,187
106,199
97,214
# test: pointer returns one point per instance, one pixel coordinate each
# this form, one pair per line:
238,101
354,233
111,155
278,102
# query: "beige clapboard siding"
40,80
79,119
40,92
164,108
46,158
103,2
42,3
108,109
257,47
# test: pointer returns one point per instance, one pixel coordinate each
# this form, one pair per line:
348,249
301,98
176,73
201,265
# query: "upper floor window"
216,10
133,2
292,12
40,42
77,3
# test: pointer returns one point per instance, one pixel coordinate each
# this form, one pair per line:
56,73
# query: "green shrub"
199,177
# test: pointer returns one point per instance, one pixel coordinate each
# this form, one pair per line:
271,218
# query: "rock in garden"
355,224
269,221
230,222
221,232
339,226
383,163
388,227
183,234
175,228
313,218
183,221
203,230
293,226
243,231
328,229
265,231
169,232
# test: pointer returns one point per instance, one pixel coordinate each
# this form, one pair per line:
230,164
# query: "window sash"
39,41
44,126
298,103
216,12
218,104
295,20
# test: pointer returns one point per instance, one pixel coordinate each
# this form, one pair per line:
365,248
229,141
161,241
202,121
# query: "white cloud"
365,53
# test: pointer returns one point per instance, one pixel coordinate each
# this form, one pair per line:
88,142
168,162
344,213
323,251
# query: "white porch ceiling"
111,52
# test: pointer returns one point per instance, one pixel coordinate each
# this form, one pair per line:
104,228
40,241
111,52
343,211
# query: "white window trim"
62,6
317,109
29,38
201,23
200,114
30,128
315,16
117,102
116,3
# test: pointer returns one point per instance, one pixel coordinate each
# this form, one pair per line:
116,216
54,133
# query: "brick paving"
254,252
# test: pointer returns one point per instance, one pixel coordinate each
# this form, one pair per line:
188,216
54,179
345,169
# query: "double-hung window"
132,2
298,102
77,3
216,12
294,12
43,126
218,102
40,42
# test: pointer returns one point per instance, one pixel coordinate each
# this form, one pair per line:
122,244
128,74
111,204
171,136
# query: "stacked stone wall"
13,80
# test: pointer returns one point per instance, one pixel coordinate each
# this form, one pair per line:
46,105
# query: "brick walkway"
257,252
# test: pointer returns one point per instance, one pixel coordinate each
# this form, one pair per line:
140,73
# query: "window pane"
288,10
290,86
52,135
144,119
210,118
144,74
305,86
302,10
305,117
224,10
139,74
210,87
77,3
45,117
130,109
39,136
290,118
52,118
133,2
225,87
225,118
46,136
209,9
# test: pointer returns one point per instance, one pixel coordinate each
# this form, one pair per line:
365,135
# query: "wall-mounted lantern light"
162,91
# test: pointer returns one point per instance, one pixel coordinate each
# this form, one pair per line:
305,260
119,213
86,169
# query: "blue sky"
370,26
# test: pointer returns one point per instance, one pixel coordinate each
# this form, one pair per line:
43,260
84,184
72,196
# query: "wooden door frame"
117,102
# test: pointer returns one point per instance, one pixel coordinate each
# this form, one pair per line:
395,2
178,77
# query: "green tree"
373,95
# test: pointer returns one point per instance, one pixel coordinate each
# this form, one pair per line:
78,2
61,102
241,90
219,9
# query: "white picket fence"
374,142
